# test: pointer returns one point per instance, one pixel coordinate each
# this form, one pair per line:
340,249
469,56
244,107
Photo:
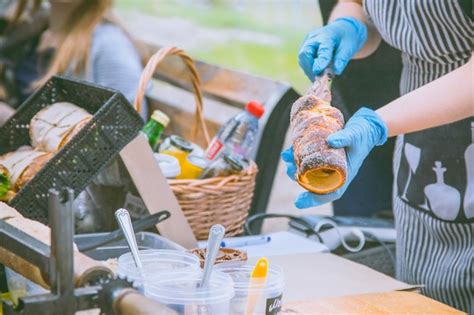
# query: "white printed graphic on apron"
413,155
469,194
444,200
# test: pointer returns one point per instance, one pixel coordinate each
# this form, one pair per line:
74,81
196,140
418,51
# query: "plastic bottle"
238,134
154,128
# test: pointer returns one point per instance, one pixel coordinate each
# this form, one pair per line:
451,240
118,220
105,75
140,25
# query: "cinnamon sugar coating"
312,121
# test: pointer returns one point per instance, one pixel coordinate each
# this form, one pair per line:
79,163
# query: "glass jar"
227,164
192,167
178,147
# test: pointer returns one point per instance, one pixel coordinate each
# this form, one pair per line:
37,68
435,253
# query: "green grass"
220,16
257,59
276,62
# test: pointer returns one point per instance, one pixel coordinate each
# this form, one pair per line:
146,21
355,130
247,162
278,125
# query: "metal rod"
61,221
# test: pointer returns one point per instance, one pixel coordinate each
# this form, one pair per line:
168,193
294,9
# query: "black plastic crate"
115,124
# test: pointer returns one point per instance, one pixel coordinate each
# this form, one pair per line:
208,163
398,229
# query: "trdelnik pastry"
5,192
53,126
23,164
321,169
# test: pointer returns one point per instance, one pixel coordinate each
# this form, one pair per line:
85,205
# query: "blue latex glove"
337,42
362,133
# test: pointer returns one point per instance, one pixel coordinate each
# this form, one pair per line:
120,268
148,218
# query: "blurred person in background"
81,39
433,198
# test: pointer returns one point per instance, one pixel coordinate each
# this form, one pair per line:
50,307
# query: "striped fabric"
435,37
437,254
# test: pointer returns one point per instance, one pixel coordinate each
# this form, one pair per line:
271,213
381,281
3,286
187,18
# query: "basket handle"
149,70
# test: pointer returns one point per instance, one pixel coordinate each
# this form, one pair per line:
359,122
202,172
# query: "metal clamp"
56,261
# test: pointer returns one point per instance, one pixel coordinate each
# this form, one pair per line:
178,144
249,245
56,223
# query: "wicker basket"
223,200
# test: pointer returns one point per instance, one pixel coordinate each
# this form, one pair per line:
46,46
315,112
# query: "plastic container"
169,165
238,134
156,262
179,291
268,298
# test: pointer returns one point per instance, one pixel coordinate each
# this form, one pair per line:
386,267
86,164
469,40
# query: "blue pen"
245,241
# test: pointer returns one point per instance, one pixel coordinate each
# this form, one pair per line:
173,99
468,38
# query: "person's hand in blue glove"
338,42
361,134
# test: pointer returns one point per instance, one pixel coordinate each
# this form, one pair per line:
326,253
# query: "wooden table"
375,303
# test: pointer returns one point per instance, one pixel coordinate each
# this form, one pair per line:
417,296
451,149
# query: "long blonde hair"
75,39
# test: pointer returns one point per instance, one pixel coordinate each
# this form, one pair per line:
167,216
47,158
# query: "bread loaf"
23,165
4,183
51,127
320,168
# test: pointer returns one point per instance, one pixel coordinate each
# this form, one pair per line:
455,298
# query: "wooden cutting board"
378,303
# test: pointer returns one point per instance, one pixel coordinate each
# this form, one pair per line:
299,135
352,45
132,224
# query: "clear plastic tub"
156,262
267,297
180,291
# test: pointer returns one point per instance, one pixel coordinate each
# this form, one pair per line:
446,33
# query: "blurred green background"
261,37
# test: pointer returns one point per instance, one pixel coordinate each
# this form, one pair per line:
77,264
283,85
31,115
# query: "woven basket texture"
220,200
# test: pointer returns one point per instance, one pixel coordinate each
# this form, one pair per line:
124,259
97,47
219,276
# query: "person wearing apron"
433,198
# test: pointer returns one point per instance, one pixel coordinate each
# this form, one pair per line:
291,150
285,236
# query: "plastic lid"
181,143
157,261
255,108
160,117
169,165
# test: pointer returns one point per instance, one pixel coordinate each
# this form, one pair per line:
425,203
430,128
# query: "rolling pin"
84,266
130,302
